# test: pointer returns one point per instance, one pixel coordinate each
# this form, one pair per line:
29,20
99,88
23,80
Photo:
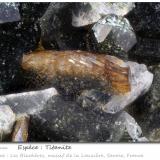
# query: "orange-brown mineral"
79,64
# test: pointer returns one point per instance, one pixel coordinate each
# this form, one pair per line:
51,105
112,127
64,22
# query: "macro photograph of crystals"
80,72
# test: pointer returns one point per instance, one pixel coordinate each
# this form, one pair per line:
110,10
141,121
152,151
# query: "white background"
81,151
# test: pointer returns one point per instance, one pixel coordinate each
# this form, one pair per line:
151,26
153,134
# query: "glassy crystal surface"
9,12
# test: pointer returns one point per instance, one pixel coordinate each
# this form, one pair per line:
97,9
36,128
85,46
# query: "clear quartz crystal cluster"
28,102
89,13
120,29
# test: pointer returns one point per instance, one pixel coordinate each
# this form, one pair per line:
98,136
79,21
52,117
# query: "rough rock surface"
16,38
7,119
146,50
68,122
144,18
151,113
57,30
153,97
146,110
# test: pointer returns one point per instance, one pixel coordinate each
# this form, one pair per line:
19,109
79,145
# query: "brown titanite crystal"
79,64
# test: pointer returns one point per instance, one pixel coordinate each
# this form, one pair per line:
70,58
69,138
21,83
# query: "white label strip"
92,151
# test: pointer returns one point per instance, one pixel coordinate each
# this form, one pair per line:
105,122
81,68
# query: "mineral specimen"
57,31
7,119
122,33
93,98
130,80
133,129
92,89
148,108
88,13
9,12
65,121
80,64
20,132
15,39
28,102
140,80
